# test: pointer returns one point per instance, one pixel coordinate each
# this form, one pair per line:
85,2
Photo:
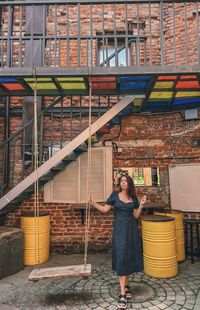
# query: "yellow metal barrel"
36,231
159,246
179,229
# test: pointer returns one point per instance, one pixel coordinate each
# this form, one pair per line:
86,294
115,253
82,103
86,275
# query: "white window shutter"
70,185
63,188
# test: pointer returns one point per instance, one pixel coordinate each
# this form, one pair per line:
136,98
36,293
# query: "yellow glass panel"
38,80
72,85
164,84
65,79
43,85
183,94
161,95
138,102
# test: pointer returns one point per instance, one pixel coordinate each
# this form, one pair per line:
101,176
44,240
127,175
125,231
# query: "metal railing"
59,123
102,33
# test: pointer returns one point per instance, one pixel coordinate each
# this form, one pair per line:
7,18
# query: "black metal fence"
99,33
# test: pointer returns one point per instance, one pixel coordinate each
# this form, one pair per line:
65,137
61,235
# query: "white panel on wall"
70,185
184,180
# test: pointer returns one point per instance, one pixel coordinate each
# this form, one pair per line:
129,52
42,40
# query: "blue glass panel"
186,101
134,78
133,85
158,104
7,80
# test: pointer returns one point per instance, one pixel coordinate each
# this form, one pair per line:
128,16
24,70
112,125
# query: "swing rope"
88,186
36,185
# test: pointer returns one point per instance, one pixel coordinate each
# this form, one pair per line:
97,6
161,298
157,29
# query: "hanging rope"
88,186
36,185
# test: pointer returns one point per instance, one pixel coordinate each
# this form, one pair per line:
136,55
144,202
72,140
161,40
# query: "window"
141,176
70,185
113,54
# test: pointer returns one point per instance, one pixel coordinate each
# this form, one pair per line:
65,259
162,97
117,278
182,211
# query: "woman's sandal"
122,301
128,292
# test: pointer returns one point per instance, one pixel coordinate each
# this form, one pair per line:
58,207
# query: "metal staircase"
13,198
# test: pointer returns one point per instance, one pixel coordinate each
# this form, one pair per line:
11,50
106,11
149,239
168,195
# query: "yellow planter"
179,229
159,246
36,232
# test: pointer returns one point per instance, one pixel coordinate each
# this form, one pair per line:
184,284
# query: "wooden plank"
61,272
66,150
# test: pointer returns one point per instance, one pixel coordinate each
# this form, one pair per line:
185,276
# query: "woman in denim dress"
126,246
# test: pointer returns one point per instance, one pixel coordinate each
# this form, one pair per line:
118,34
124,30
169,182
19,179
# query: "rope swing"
36,185
64,271
89,161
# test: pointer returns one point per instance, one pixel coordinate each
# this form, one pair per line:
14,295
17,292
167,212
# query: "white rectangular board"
184,181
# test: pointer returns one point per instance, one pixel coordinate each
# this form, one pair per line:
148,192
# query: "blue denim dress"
126,246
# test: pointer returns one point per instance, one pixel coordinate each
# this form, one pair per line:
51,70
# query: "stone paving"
101,289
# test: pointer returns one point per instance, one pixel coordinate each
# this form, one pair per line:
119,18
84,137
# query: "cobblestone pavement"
100,290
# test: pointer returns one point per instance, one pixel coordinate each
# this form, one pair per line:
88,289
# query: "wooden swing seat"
61,272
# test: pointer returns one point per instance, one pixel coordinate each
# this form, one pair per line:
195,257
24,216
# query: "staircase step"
127,111
59,167
70,157
94,139
114,121
29,190
81,148
104,130
20,199
48,176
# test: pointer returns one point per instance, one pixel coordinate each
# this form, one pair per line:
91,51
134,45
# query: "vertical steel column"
10,27
34,56
5,172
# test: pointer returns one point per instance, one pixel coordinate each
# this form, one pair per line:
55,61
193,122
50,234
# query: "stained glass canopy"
163,92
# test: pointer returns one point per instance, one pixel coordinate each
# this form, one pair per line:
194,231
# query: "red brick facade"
146,141
154,134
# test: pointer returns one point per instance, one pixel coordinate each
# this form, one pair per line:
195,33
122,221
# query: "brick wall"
185,40
146,141
141,137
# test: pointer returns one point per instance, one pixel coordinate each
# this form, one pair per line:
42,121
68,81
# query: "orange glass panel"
187,84
167,78
13,86
188,77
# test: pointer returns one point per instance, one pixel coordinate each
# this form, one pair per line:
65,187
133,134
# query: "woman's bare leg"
122,282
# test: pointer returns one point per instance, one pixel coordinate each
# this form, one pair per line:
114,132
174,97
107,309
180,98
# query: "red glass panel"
187,84
104,82
13,86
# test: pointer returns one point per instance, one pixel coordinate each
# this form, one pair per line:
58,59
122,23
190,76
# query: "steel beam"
51,2
99,71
